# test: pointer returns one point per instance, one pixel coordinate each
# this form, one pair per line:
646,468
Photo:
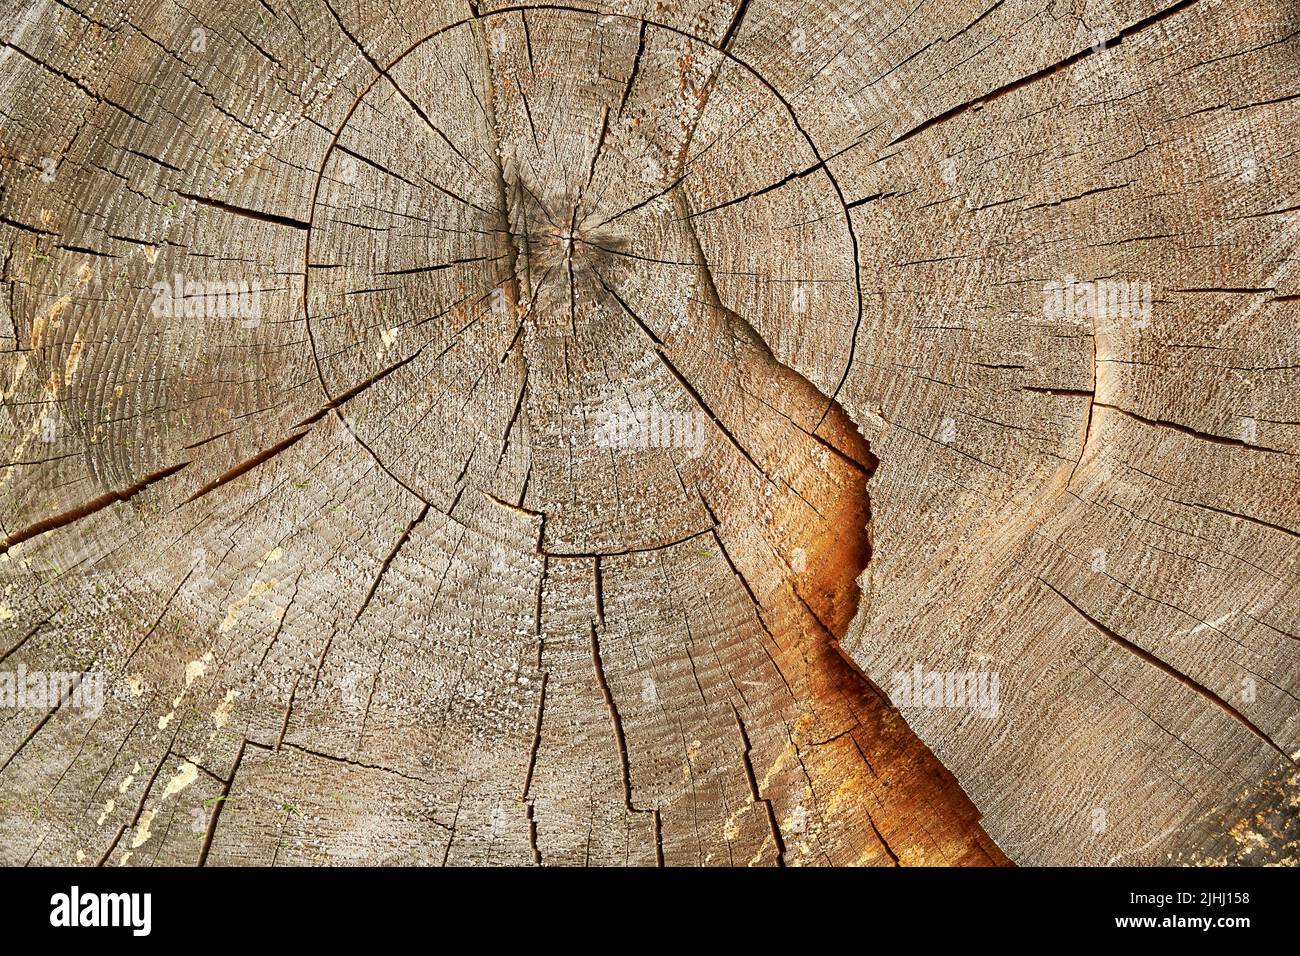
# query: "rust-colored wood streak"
493,433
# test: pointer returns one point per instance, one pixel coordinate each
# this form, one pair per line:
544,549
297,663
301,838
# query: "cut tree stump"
696,433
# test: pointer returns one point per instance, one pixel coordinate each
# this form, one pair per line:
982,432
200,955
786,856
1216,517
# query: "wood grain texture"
554,433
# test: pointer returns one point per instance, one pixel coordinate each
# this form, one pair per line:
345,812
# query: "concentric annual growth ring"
478,300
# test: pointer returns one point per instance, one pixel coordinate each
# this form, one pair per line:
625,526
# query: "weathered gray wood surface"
601,370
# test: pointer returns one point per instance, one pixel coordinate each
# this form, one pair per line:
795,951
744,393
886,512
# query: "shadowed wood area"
656,434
